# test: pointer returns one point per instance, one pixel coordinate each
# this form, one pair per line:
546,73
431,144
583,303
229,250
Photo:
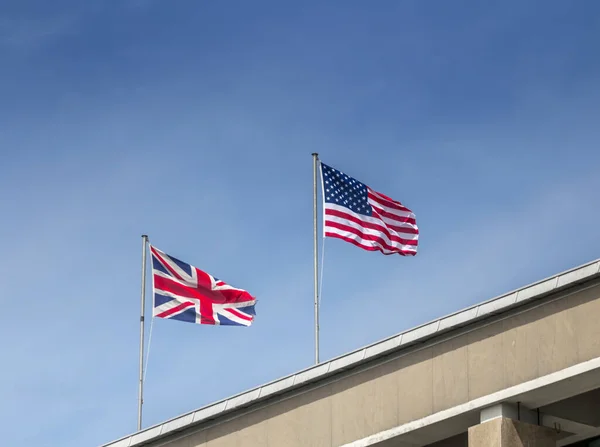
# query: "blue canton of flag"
345,191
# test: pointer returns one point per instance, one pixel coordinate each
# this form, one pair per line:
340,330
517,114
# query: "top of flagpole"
315,154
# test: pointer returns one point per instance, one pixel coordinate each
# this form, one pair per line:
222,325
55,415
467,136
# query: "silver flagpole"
316,255
143,305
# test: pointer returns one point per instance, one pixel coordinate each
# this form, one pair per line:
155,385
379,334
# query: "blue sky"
194,122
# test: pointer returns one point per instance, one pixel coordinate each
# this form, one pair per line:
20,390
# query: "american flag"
366,218
186,293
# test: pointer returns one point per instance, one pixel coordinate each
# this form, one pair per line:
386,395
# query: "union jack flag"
186,293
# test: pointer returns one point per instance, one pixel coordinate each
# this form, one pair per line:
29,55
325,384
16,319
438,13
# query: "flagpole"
143,305
316,257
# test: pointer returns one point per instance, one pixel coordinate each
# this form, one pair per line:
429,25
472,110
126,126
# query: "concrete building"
522,369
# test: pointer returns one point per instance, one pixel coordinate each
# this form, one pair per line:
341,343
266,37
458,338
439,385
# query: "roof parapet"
500,304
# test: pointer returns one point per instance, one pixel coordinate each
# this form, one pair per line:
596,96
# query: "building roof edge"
497,305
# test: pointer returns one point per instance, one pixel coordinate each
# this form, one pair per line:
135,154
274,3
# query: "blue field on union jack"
185,293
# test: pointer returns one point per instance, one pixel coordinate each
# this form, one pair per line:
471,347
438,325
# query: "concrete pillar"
506,432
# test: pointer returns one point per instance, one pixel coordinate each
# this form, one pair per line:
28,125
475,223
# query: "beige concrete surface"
450,373
487,434
303,420
416,384
521,434
486,372
368,403
503,432
414,374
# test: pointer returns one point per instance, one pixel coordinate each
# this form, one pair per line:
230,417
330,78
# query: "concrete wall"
502,432
523,347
